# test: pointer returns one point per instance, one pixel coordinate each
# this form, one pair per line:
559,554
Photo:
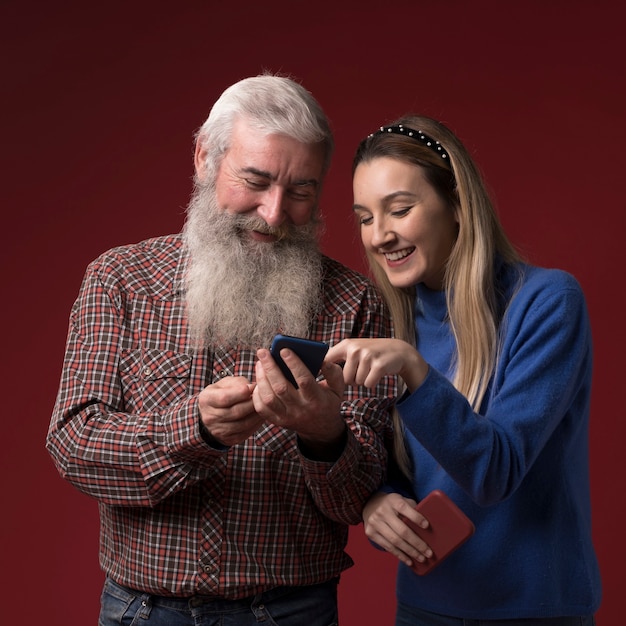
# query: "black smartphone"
311,353
449,528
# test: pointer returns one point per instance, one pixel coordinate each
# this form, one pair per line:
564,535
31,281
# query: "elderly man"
225,492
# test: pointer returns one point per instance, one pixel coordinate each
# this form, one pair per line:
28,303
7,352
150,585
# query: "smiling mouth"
398,255
265,235
259,235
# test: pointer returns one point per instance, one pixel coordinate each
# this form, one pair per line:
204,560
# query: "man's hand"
313,410
227,410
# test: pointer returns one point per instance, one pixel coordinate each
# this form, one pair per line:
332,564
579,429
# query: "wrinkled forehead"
276,154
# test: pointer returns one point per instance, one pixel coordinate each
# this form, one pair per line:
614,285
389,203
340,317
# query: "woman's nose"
381,234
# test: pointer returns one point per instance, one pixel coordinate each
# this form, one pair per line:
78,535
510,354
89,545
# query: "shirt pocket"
153,379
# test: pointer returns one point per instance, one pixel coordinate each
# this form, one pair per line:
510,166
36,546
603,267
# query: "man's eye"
301,193
256,184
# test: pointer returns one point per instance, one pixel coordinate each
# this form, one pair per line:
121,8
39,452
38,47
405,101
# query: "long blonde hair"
469,280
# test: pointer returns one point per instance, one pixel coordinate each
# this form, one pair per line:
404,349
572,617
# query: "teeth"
397,255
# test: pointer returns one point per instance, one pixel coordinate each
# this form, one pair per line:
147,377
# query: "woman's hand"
369,360
383,523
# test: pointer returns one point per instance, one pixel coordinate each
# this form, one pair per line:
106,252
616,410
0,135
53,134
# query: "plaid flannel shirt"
179,517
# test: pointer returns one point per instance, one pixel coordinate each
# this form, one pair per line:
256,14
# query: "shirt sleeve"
341,489
542,382
118,457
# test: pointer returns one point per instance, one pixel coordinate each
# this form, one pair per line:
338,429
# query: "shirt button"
223,374
147,371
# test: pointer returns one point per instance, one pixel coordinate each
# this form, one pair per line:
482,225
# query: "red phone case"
449,528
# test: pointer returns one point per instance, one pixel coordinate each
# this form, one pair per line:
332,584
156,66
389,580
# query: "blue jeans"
314,605
410,616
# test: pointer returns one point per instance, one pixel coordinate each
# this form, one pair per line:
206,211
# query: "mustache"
249,222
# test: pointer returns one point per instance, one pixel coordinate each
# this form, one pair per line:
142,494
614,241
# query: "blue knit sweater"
519,468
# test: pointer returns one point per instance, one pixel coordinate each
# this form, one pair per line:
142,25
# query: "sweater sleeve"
542,382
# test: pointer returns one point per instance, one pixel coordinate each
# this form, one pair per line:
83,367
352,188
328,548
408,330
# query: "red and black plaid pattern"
177,516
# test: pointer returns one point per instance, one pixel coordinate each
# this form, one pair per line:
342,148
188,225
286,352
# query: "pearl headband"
418,135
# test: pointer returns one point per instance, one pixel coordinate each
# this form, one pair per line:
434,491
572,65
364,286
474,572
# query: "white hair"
271,104
240,292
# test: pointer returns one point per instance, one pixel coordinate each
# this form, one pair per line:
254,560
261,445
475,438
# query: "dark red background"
99,106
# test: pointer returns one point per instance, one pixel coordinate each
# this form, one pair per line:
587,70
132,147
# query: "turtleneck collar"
431,304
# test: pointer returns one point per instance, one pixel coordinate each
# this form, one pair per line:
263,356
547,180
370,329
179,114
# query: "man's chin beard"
241,292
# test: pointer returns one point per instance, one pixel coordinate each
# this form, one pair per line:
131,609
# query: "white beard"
240,292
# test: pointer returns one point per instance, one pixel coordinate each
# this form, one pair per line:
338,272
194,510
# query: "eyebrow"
388,198
263,174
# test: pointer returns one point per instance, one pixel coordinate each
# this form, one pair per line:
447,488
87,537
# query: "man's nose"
273,209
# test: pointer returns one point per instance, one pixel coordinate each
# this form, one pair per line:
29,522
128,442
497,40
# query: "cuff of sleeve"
209,439
427,394
337,472
185,439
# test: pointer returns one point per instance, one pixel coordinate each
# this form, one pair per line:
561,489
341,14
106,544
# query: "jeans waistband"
216,602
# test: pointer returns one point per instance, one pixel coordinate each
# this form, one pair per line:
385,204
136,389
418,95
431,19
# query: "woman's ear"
456,210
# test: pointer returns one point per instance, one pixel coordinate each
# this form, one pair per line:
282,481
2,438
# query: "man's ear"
199,159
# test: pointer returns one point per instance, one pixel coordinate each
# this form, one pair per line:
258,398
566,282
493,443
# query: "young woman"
496,359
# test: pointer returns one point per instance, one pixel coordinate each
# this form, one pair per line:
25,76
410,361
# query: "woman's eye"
364,220
401,212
